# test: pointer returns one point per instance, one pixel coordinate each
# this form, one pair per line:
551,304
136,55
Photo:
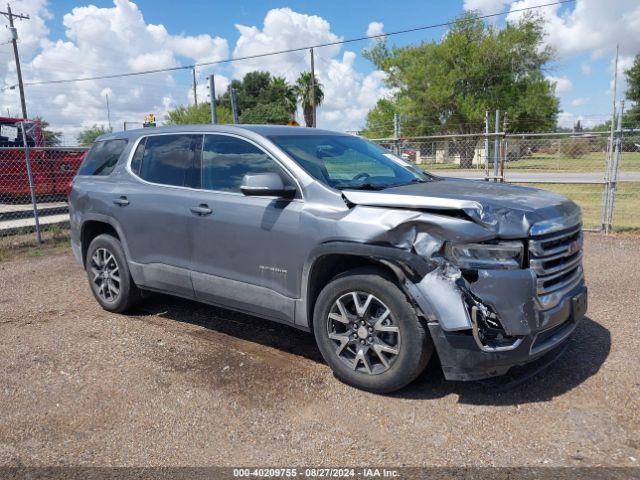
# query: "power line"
297,49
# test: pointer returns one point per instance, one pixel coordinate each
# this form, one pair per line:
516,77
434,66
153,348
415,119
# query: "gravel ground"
178,383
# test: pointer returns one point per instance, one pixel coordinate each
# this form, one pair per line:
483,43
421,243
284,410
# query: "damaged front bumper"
484,324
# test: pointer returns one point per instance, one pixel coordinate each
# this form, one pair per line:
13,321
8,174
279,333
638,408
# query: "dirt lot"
177,383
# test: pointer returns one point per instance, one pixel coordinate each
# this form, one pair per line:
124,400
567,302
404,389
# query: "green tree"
260,88
633,93
200,114
379,122
89,135
281,91
447,86
266,113
304,93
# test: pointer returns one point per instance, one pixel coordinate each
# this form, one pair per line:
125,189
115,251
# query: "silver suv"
332,234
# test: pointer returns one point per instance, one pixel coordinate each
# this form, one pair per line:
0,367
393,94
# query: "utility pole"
234,104
108,112
195,92
14,41
313,90
212,96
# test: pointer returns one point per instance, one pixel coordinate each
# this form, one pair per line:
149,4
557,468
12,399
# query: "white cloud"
486,6
578,102
594,26
104,41
568,120
348,94
375,29
563,84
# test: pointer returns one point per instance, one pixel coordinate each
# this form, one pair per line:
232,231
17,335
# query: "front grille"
556,260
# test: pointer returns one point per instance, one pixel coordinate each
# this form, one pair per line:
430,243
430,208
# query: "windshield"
346,162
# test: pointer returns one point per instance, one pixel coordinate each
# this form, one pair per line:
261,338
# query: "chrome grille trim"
556,260
538,265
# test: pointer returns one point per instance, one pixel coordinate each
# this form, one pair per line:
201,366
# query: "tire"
393,352
111,285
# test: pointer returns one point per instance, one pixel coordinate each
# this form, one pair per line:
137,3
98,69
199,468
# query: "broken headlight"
476,256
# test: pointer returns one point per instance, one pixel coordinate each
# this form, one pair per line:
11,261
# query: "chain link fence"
598,170
35,181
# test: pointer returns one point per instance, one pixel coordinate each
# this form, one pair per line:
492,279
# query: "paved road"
548,177
178,383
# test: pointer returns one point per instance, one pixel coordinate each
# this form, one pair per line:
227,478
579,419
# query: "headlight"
473,256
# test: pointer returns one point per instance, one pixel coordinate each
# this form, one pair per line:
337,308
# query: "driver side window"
226,160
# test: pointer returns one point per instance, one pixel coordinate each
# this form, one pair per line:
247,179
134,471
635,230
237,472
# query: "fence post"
505,147
614,168
32,190
234,104
610,160
396,133
486,145
496,148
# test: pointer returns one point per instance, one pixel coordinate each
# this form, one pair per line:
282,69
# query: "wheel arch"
98,225
331,259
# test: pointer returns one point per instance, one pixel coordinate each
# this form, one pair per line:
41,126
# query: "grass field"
540,162
589,197
54,240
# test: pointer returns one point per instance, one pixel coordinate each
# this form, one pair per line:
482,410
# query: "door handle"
122,201
202,210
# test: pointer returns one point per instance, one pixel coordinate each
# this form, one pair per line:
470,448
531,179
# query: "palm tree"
303,92
284,92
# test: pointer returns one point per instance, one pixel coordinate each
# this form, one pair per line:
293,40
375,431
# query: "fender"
406,265
99,217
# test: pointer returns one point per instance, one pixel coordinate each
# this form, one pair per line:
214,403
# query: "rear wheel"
368,332
109,276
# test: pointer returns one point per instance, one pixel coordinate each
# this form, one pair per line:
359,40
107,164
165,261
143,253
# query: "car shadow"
582,357
552,375
229,322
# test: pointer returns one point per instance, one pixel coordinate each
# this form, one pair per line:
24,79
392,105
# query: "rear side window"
225,160
169,159
102,158
136,161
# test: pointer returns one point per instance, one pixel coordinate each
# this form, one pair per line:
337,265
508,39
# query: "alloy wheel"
364,331
106,275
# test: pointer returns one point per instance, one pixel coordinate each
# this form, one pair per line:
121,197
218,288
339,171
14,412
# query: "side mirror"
265,185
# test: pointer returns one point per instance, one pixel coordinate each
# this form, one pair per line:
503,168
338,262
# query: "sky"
70,39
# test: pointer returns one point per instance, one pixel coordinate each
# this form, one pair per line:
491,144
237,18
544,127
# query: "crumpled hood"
508,210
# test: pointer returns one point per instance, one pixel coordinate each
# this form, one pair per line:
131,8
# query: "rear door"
246,252
153,208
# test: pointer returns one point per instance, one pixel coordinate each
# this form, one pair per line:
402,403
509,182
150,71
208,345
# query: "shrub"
575,147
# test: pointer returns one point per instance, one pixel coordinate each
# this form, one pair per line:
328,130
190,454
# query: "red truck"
52,168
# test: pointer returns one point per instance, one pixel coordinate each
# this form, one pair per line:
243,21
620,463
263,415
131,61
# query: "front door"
246,251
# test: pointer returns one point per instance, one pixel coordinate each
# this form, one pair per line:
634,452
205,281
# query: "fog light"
487,330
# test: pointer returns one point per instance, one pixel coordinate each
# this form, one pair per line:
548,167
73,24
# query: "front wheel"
368,332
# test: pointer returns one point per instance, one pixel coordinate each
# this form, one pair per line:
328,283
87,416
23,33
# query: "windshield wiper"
410,182
359,186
